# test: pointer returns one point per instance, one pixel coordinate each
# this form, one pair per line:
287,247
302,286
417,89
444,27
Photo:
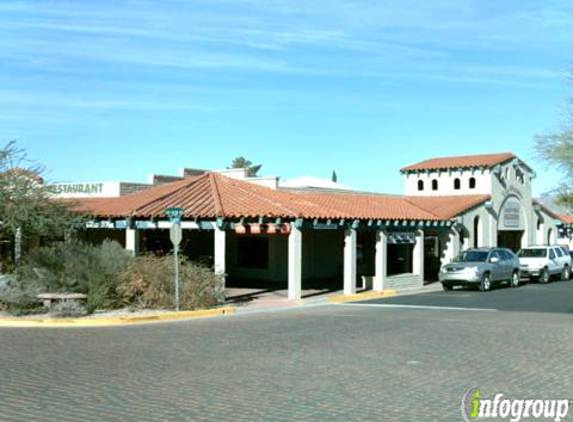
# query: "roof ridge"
191,181
259,190
219,210
479,199
408,200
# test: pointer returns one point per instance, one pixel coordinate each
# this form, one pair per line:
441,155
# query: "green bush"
110,277
77,268
148,282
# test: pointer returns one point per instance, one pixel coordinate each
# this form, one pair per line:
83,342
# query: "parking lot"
350,362
556,297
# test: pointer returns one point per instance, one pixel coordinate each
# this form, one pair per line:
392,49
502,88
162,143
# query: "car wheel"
565,273
544,276
447,287
485,285
514,282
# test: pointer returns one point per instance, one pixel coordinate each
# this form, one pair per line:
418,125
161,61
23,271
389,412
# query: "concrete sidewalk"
251,299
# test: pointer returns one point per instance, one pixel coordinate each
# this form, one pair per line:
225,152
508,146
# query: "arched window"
539,224
550,236
420,185
434,184
472,182
476,232
457,184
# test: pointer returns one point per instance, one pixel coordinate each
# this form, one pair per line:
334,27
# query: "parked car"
481,267
543,262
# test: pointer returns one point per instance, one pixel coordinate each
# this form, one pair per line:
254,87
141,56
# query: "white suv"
542,262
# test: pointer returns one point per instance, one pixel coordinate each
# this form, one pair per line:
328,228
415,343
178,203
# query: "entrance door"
509,239
432,261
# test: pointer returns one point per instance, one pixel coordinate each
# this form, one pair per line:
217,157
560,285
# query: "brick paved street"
331,363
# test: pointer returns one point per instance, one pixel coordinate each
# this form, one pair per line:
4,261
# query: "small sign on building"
511,211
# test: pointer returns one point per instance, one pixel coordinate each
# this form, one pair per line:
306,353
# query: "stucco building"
255,232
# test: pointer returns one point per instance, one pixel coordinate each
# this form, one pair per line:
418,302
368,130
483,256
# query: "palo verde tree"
557,149
27,208
243,163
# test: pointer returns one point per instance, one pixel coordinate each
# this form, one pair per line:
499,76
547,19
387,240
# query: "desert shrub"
77,268
148,282
68,308
110,277
18,298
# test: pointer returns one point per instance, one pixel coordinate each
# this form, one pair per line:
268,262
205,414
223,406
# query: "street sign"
175,234
175,214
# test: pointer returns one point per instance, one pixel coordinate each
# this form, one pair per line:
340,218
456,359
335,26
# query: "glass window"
420,185
434,184
400,259
559,252
551,254
472,256
532,253
472,182
457,184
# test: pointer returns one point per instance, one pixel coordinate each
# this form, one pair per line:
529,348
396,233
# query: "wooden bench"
47,298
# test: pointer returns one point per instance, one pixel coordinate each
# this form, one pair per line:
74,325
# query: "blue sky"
116,90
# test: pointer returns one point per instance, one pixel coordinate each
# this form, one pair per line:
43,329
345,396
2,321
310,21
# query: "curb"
362,296
104,322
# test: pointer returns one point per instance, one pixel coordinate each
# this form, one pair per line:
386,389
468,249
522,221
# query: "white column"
492,231
454,245
381,261
132,240
350,262
294,263
418,258
220,251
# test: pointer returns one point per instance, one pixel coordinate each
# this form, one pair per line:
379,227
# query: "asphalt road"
352,362
556,297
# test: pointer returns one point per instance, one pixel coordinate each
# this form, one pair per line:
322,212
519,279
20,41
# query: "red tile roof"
545,209
465,161
448,207
213,195
30,174
567,219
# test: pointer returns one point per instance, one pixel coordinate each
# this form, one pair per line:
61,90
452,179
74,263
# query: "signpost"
175,234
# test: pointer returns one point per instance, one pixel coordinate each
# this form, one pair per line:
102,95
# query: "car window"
532,253
559,252
551,254
495,254
472,256
508,255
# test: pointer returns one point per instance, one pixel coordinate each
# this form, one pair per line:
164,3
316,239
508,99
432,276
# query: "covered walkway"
286,240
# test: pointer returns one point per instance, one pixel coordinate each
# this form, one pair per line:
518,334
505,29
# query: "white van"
542,262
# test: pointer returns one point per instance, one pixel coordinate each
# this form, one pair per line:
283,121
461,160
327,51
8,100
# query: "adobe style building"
256,232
